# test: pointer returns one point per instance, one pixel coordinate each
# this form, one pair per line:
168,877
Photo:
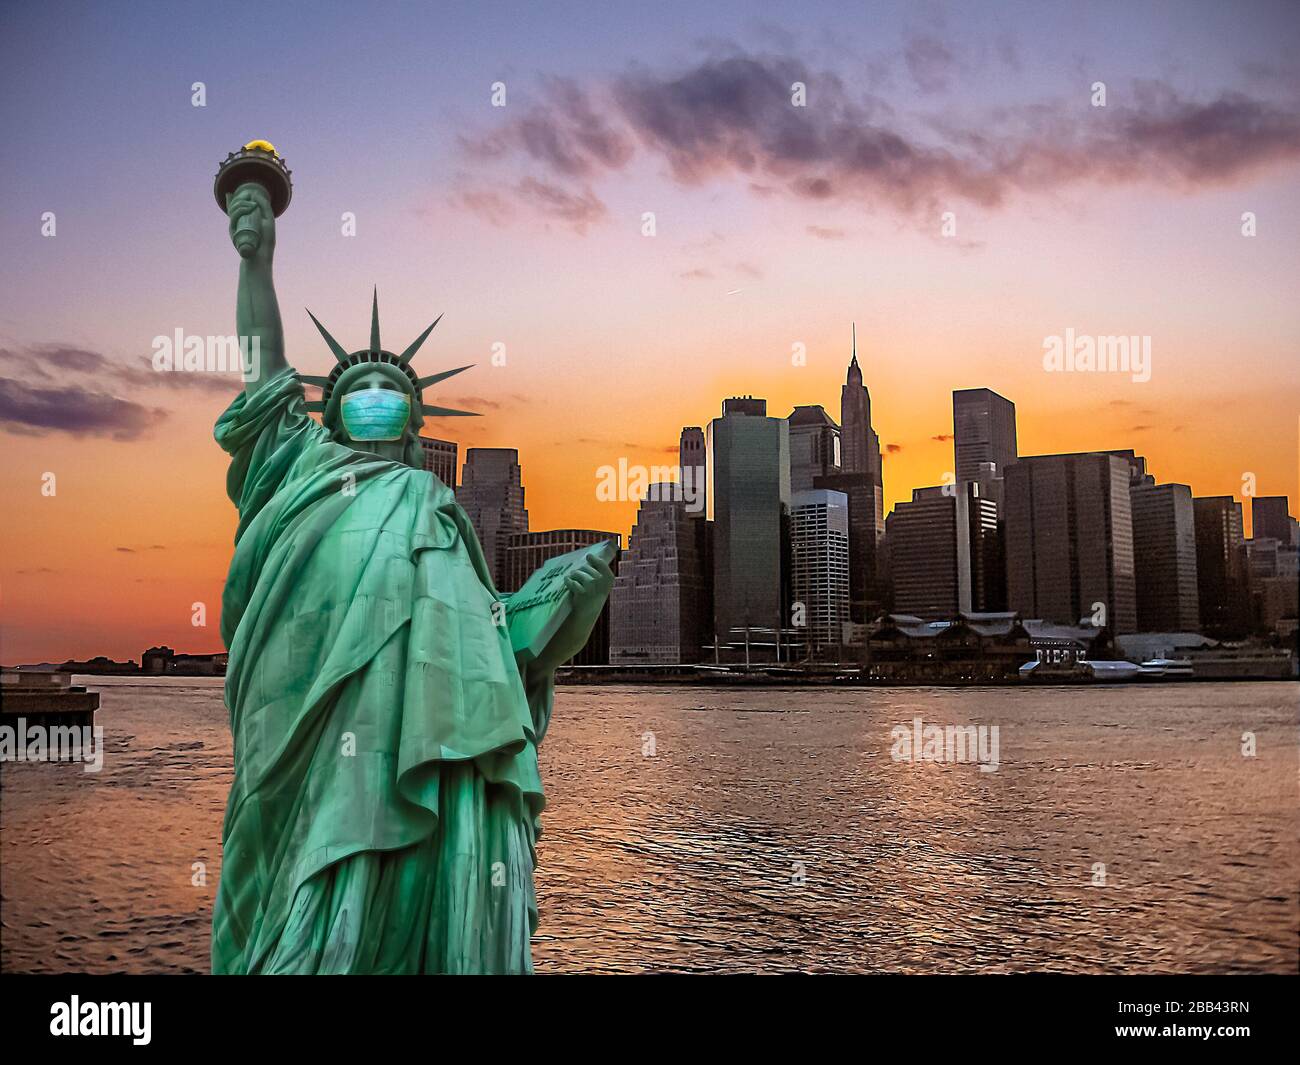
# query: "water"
771,831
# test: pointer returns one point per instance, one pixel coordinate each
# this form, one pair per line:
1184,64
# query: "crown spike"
407,355
374,322
334,345
447,412
433,379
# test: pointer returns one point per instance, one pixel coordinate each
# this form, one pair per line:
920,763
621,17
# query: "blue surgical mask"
375,414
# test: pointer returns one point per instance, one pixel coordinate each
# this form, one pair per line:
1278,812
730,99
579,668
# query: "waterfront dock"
45,700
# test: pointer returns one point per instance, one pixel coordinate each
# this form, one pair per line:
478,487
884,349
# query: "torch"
256,161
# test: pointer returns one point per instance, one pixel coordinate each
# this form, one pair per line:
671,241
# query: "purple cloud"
730,117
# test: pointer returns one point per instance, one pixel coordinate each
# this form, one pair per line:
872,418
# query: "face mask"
375,414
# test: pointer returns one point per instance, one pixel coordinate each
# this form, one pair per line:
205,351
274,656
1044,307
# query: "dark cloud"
891,448
73,410
941,437
567,133
826,232
62,388
60,362
730,116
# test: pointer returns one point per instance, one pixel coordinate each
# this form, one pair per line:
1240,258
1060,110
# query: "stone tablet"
541,606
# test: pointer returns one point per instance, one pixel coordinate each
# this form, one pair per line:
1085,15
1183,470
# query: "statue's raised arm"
257,312
253,187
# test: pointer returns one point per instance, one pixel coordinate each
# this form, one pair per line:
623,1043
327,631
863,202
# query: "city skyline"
500,503
525,224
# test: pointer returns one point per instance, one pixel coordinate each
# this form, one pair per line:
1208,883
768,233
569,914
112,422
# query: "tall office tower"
859,442
492,494
1221,578
938,548
661,608
1164,550
983,430
693,461
860,478
526,551
989,590
814,446
865,595
819,565
751,501
1269,517
1069,539
440,459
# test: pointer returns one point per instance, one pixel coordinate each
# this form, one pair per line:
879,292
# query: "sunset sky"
775,226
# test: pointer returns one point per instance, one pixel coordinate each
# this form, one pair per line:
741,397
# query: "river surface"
753,830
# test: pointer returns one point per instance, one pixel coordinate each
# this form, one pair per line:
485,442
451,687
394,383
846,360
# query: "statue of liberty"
386,797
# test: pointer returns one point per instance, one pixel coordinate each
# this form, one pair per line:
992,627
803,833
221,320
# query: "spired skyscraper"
492,494
860,479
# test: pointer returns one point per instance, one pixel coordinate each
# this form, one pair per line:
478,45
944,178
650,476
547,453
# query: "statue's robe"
386,796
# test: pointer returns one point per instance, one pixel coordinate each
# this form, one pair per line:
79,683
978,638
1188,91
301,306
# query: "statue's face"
375,407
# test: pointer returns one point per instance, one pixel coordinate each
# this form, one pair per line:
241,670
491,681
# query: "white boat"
1167,667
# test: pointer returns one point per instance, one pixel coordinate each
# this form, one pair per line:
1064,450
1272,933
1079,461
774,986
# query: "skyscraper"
1164,548
814,446
1221,578
526,551
1069,539
751,500
819,565
693,462
983,430
440,459
939,557
661,608
860,479
492,494
861,445
1269,516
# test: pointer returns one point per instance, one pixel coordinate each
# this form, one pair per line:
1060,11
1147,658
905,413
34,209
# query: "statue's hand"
252,223
590,585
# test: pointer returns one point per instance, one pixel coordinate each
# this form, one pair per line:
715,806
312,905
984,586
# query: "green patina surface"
386,798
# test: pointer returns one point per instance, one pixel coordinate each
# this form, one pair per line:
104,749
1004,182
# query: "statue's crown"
375,354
